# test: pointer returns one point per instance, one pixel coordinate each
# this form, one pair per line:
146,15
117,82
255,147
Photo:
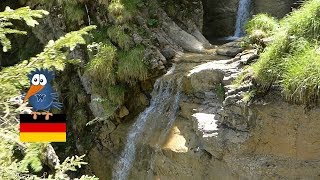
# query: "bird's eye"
43,80
35,79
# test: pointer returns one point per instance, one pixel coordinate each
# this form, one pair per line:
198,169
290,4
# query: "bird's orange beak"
33,90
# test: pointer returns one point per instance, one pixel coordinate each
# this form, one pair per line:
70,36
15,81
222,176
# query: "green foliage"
259,27
14,79
73,10
54,56
262,22
33,157
248,96
269,67
131,65
80,118
219,89
304,22
117,34
101,67
292,59
116,93
301,78
25,14
70,164
122,11
153,22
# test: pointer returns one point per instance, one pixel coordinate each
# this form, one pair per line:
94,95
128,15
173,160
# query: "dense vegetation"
25,160
113,62
291,60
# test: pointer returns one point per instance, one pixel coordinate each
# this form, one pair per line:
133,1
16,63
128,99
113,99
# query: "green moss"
132,66
80,118
153,22
100,35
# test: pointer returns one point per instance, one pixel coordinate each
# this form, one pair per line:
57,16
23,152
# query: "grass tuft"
292,59
262,22
101,67
132,66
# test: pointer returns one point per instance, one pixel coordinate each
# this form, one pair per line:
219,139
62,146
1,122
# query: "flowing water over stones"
164,102
242,17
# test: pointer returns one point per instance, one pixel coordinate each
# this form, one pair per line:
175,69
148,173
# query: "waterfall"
165,100
242,17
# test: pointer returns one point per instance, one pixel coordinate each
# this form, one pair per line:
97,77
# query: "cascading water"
165,100
242,17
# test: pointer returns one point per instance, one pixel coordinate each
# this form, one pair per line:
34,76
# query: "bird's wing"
56,104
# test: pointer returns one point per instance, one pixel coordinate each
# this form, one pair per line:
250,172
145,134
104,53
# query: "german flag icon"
41,130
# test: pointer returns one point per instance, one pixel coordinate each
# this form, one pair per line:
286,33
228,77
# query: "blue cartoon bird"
41,95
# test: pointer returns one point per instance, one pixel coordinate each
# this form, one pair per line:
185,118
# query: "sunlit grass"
262,22
292,59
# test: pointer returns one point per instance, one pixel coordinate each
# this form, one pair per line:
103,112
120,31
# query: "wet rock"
96,106
219,17
179,36
143,99
229,51
123,112
248,56
168,52
137,39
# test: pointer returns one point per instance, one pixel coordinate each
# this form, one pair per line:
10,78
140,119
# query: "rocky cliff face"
276,8
217,135
220,16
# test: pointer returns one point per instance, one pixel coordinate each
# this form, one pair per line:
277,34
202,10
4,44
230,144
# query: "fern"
25,14
33,157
